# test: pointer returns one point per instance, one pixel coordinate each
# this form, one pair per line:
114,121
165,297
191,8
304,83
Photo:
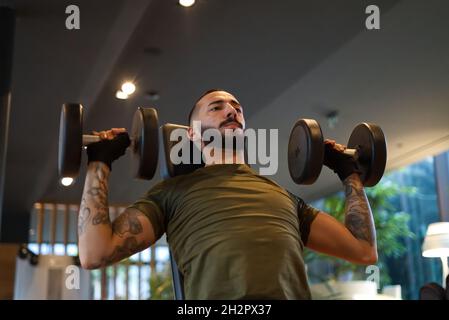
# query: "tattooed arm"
354,241
100,241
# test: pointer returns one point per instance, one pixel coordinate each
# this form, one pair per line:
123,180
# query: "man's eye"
239,110
214,109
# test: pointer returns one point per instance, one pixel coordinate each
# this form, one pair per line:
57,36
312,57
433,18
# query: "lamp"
436,245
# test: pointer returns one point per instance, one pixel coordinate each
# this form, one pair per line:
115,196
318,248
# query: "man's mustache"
230,120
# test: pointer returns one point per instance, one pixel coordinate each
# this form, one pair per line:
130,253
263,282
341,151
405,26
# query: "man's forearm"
358,216
94,225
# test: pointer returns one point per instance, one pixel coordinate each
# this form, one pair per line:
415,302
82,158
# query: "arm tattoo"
127,222
358,217
94,206
83,217
94,210
102,216
128,248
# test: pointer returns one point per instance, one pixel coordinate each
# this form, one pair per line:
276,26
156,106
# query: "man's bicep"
132,222
329,236
132,231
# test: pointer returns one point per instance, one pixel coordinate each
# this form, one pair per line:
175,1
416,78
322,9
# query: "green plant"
392,226
161,287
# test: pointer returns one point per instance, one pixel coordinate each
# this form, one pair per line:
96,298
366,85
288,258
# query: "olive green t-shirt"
233,233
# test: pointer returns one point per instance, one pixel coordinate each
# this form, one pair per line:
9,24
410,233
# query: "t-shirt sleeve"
155,205
306,215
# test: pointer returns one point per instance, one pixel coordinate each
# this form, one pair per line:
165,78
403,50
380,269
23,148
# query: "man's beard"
225,136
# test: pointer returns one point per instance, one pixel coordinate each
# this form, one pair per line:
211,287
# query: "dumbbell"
366,145
144,138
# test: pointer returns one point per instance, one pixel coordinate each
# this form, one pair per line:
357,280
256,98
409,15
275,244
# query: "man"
233,233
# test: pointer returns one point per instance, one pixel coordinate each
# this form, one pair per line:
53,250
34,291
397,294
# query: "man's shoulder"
296,198
173,182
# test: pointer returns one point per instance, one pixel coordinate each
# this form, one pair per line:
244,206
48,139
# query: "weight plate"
70,140
305,151
145,147
370,142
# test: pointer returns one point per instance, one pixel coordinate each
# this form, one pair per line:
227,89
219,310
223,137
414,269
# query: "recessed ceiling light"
186,3
66,181
121,95
128,88
152,95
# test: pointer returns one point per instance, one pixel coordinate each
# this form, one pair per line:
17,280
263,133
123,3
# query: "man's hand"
342,164
113,145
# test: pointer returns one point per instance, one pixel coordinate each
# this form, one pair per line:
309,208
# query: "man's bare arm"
102,242
358,215
354,241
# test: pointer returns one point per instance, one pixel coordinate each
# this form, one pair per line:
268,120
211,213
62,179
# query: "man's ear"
190,133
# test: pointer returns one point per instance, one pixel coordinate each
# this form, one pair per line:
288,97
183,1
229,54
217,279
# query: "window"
417,198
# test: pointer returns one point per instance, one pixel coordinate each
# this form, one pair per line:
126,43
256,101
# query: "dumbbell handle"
90,138
351,152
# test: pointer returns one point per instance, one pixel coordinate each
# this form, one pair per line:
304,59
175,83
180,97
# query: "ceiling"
283,60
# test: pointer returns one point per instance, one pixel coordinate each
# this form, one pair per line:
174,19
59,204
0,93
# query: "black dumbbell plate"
370,142
305,151
70,140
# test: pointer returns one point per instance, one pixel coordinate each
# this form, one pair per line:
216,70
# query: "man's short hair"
205,93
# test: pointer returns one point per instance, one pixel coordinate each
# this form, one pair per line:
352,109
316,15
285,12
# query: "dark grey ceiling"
282,59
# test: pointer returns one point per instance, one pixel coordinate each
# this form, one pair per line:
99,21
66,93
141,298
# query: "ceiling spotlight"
186,3
121,95
152,95
128,88
66,181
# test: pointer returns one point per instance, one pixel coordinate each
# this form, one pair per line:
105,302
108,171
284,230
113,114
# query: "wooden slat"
126,281
66,227
153,259
114,278
104,284
152,265
114,267
76,221
53,222
40,225
139,274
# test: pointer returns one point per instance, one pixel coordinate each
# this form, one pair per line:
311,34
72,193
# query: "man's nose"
230,111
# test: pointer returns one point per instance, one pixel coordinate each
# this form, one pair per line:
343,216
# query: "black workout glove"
107,151
342,164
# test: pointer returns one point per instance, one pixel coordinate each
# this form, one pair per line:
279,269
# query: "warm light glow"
436,245
128,88
438,228
436,253
436,242
121,95
186,3
66,181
